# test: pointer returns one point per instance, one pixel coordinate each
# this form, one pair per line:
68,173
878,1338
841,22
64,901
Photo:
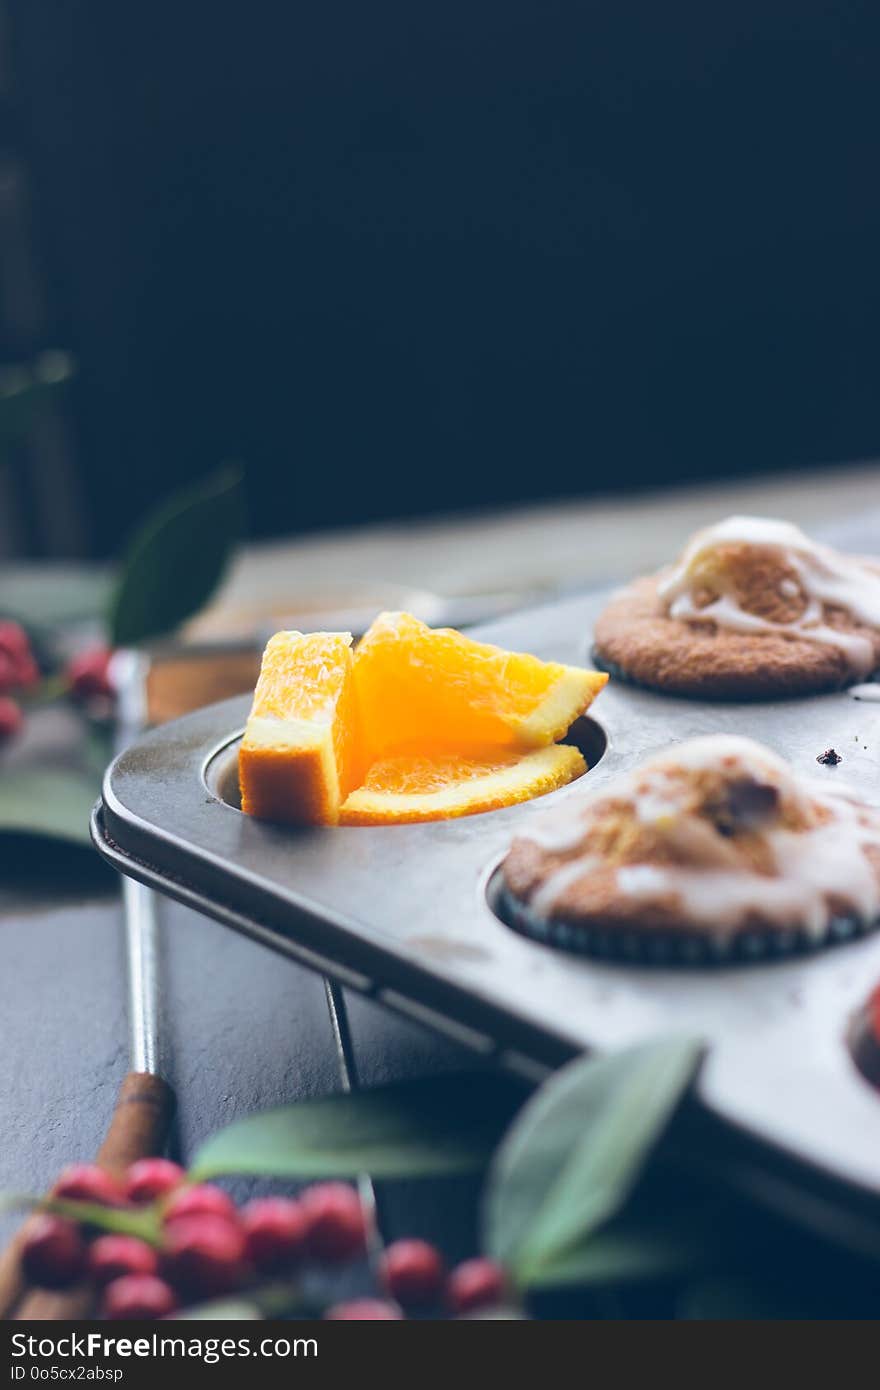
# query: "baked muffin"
714,849
752,609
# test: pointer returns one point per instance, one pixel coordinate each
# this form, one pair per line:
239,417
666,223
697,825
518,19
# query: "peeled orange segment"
422,787
434,689
298,759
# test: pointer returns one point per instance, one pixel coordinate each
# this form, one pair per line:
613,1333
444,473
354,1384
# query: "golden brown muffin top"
715,833
753,574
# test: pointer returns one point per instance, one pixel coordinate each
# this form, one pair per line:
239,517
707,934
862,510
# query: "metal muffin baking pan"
405,913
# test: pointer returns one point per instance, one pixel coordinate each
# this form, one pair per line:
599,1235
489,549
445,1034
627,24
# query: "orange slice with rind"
404,788
298,757
417,724
434,688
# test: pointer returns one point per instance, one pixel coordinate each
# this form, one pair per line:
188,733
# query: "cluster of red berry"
208,1247
86,677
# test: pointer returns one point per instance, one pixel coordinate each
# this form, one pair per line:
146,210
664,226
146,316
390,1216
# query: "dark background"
401,257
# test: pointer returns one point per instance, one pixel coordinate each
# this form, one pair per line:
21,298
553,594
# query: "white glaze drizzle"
824,575
543,899
650,789
869,692
812,866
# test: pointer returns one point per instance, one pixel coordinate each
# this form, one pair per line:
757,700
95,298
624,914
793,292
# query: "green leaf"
418,1129
749,1299
574,1153
177,559
631,1251
47,801
673,1228
18,1201
120,1220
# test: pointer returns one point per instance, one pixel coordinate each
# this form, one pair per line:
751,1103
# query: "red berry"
14,641
275,1232
54,1252
364,1310
88,675
27,673
11,718
138,1296
18,670
336,1225
7,671
111,1257
413,1272
151,1178
205,1255
17,673
86,1182
202,1200
475,1284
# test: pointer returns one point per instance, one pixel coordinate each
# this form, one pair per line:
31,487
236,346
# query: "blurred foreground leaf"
741,1299
177,559
417,1129
575,1152
627,1252
668,1232
125,1221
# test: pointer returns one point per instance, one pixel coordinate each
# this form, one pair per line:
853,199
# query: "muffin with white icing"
714,849
752,609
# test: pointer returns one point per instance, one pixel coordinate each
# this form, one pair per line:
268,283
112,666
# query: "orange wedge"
425,689
420,787
298,758
417,725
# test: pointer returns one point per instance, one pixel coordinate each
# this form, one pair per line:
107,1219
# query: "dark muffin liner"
604,663
618,673
650,946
